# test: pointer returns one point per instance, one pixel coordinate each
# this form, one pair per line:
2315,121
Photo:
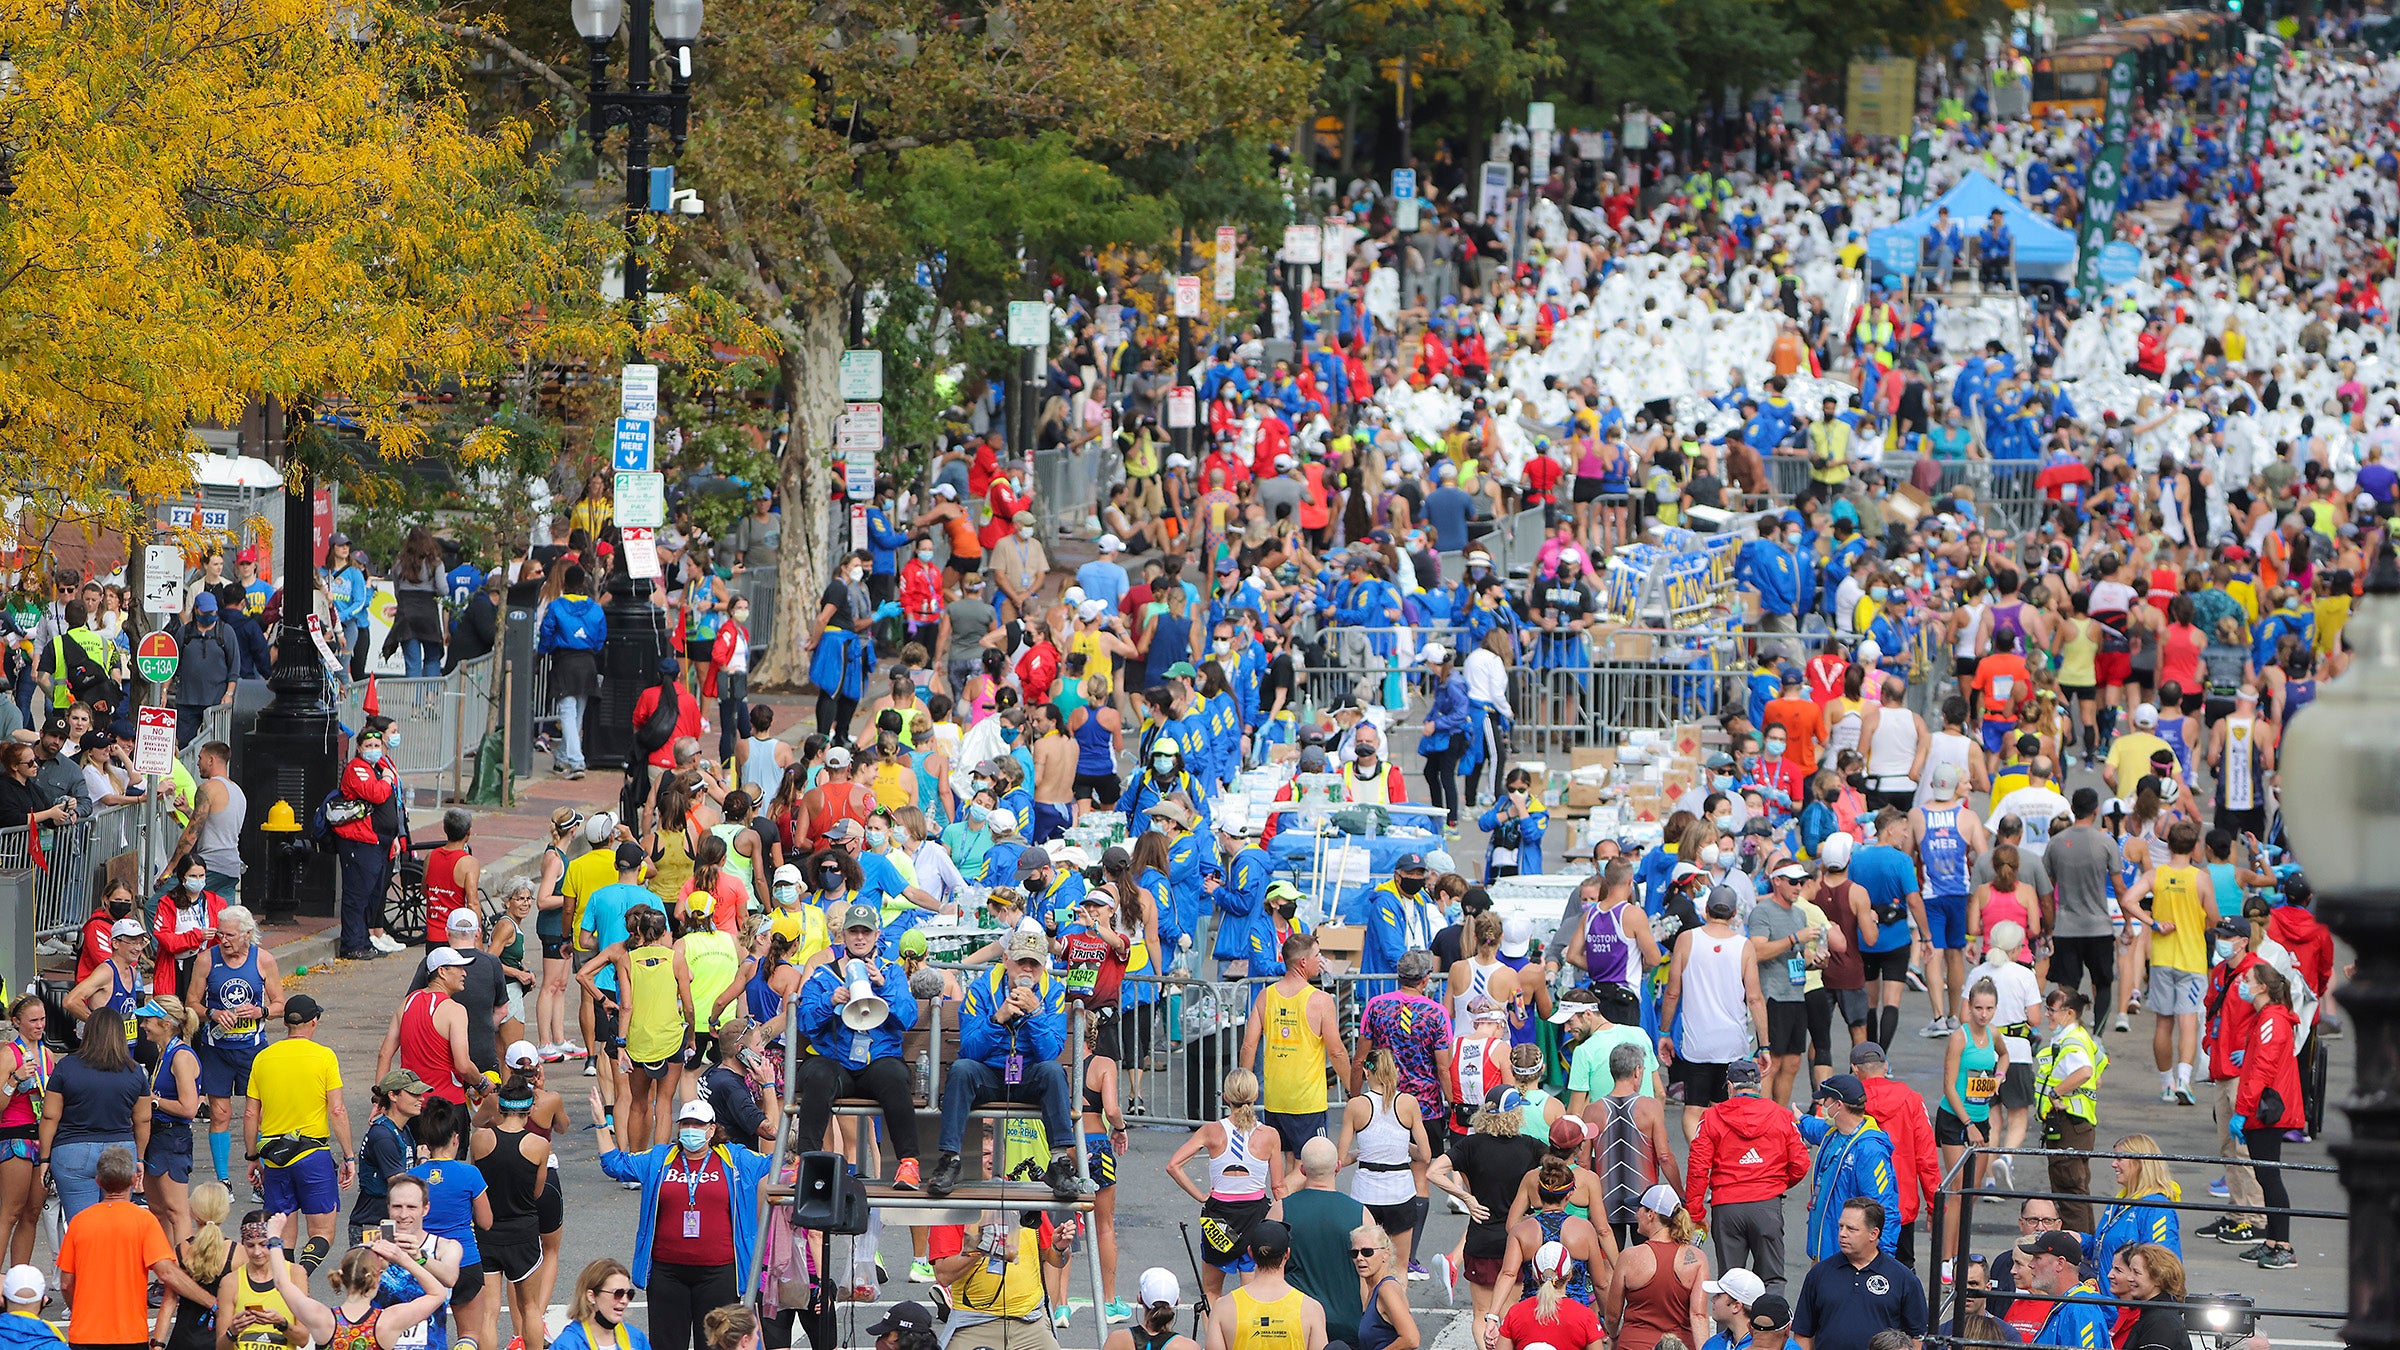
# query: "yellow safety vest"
2083,1101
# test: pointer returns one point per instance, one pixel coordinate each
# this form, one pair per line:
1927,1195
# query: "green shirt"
1589,1074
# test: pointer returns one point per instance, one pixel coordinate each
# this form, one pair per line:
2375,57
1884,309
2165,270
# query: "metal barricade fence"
1068,486
436,726
216,724
62,877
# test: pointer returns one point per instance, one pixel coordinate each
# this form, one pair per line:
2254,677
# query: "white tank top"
1479,982
1716,1017
1964,647
1844,735
1384,1142
1235,1174
1947,747
1893,748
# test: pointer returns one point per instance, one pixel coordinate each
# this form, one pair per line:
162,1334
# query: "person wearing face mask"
366,814
1516,823
205,677
1162,774
855,1062
1018,566
1238,896
727,678
1052,893
698,1230
1400,920
1369,777
838,647
922,602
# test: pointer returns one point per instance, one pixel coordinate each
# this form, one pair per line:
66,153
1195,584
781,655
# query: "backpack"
659,728
74,667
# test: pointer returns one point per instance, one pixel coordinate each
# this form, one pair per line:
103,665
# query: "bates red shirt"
695,1198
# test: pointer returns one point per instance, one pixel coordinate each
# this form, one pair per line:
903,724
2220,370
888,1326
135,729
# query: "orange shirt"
1801,723
2004,682
109,1249
1786,353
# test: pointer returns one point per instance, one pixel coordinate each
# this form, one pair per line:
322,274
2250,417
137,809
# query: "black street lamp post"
638,106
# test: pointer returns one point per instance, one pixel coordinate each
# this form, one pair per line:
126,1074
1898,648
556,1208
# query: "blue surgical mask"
876,838
1725,823
785,895
979,813
1724,783
373,754
195,884
980,783
391,740
1880,593
1163,763
1008,735
2222,949
1455,911
693,1138
1775,749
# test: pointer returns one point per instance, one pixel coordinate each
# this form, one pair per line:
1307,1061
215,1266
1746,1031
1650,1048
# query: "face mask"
1163,763
981,784
978,814
877,838
1478,571
857,574
1724,782
391,740
1411,885
1008,735
2222,949
829,881
373,754
194,884
1711,856
899,837
204,620
2242,991
118,909
924,555
1775,749
741,616
692,1139
1025,532
785,895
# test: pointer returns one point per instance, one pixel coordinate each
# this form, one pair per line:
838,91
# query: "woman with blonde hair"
1245,1175
1547,1316
1654,1289
1383,1131
1385,1322
2126,1220
174,1103
205,1256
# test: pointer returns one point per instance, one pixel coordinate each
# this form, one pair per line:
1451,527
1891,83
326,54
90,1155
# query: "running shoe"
591,1069
550,1054
2278,1258
1448,1275
571,1049
1935,1029
920,1272
2123,1023
1417,1271
2167,1095
2183,1095
384,943
2238,1231
2219,1189
906,1177
1117,1310
2252,1254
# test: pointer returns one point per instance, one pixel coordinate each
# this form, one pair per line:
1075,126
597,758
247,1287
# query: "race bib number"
1082,980
1795,970
2004,687
1981,1086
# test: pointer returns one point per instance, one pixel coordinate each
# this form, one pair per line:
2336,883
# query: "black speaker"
827,1197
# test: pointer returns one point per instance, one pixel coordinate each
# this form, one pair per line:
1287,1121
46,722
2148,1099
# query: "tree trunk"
811,363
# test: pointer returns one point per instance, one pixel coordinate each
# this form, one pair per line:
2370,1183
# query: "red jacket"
920,591
687,720
1901,1112
1005,502
1747,1149
1037,672
2227,1033
2271,1064
94,947
179,941
2309,942
369,783
720,652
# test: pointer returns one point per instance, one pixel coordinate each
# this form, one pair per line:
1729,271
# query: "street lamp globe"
2340,764
678,22
597,20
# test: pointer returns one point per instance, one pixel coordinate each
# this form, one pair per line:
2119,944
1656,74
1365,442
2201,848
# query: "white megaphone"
865,1011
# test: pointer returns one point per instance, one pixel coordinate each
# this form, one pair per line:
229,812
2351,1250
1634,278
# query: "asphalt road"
358,999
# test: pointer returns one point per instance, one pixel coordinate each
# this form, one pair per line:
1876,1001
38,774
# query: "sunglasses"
626,1292
1362,1253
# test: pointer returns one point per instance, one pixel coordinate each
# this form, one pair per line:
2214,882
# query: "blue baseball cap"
204,603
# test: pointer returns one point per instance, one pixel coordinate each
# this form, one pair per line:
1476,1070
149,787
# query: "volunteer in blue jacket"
1399,920
853,1061
1516,824
1769,570
694,1242
1854,1158
574,629
1162,775
1052,892
2128,1220
1239,895
1011,1030
2055,1272
1280,919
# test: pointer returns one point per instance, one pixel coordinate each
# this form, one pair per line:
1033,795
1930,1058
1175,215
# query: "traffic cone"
372,706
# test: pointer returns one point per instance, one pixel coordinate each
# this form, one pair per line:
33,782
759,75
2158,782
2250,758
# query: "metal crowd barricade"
440,720
62,878
1068,486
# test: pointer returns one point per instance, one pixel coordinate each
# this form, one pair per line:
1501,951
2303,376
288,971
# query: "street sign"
633,444
2120,262
154,741
1498,177
1404,182
157,657
858,526
641,552
1303,245
1541,117
862,375
1406,213
1183,407
641,499
860,427
858,474
1228,253
162,579
1187,297
1028,323
638,391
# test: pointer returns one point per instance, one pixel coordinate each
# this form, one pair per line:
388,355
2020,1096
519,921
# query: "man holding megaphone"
854,1010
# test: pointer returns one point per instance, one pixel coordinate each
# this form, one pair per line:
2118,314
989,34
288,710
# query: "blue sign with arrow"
633,445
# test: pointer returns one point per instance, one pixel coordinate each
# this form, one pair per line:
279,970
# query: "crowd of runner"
2025,764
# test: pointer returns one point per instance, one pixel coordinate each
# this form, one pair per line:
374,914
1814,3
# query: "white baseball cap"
837,758
442,958
464,921
521,1055
944,490
1738,1284
698,1111
128,928
2145,715
24,1284
1516,935
1870,652
788,874
598,826
1835,851
1091,609
1158,1286
1662,1200
1109,543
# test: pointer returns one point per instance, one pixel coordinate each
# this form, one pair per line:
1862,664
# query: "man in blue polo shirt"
1860,1290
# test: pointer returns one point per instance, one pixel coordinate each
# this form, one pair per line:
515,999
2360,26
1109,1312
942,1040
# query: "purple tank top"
1607,955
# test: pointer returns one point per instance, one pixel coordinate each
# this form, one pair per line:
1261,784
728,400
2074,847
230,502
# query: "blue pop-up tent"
2044,251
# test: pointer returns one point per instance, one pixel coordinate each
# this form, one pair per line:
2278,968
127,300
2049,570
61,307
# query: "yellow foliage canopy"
217,200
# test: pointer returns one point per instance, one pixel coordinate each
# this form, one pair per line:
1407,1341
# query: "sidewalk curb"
315,951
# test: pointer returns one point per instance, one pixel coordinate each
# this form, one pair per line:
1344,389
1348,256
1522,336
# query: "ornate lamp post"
638,106
2340,771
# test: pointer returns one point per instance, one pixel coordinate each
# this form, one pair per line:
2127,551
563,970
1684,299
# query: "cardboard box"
1585,756
1906,505
1585,795
1346,941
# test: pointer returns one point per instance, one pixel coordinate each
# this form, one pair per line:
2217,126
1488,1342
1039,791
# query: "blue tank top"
1607,955
237,986
929,789
1944,852
2297,694
1579,1278
162,1084
1374,1332
1170,642
125,998
398,1286
759,773
1095,751
1531,1032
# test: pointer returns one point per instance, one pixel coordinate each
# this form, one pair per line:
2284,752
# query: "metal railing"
440,721
1069,485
